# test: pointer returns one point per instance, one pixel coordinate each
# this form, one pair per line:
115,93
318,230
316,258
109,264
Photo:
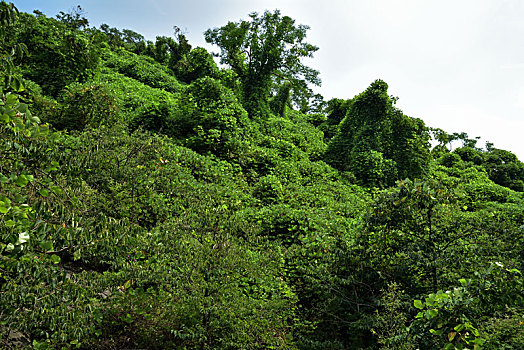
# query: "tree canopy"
376,141
261,51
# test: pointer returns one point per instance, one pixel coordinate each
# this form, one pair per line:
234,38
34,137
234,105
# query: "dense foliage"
150,199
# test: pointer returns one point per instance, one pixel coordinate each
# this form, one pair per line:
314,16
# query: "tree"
196,64
336,110
74,19
376,141
170,51
210,119
504,168
414,226
266,48
59,54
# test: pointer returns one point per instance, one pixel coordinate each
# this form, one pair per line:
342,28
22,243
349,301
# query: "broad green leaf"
419,304
463,282
55,259
9,223
22,181
451,336
47,245
44,193
11,99
430,300
432,313
16,85
4,207
56,189
22,107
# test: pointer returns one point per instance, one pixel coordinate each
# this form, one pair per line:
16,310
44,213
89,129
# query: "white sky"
456,64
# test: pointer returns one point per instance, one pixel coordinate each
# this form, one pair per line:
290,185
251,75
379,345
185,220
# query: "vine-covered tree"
59,53
377,142
266,48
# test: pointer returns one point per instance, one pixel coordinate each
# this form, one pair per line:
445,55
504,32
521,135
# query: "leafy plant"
86,105
275,46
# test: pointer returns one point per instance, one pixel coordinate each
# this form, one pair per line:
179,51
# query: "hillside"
150,198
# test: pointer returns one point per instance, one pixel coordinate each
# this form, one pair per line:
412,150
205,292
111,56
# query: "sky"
456,64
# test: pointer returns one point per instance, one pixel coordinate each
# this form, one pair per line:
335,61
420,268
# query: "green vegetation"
150,199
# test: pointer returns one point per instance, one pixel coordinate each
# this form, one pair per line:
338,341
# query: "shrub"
210,118
87,105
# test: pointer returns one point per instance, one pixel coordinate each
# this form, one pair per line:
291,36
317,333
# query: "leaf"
459,327
22,107
56,189
23,237
22,180
16,85
419,304
451,336
432,313
9,223
4,207
46,245
435,332
11,99
44,193
32,118
463,282
77,255
53,167
127,284
55,259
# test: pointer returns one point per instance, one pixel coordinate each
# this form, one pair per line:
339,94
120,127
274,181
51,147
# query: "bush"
143,69
211,119
197,64
132,95
87,105
156,117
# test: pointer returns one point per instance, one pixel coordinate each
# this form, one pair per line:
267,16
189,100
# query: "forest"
154,195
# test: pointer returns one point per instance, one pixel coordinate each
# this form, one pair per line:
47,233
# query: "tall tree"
266,48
